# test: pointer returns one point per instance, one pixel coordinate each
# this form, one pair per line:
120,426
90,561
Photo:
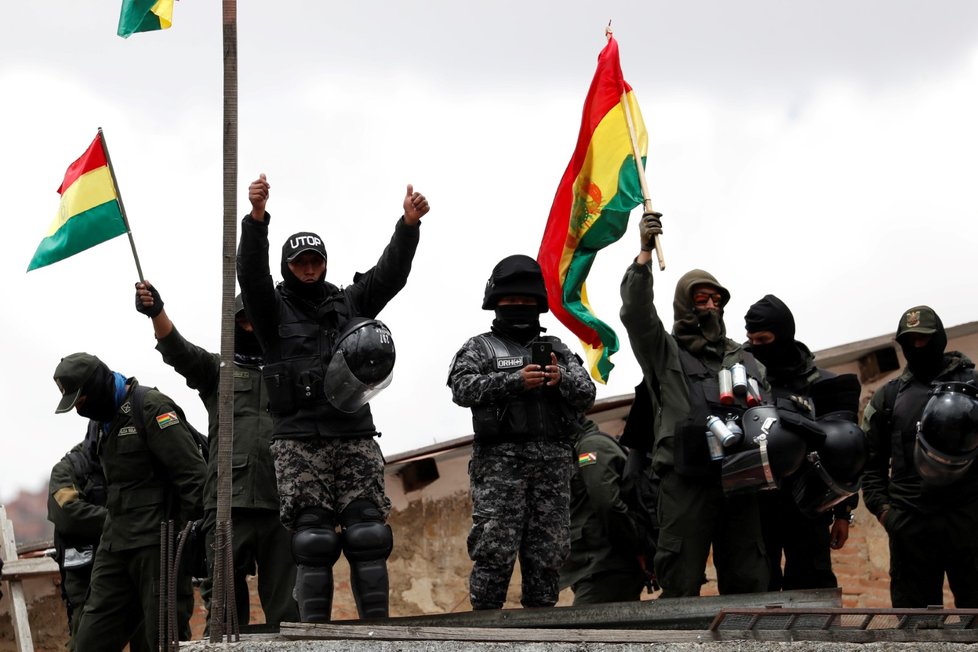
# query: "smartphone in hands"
540,353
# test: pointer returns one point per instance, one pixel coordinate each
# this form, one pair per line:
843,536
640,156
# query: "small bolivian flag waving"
144,16
590,211
89,213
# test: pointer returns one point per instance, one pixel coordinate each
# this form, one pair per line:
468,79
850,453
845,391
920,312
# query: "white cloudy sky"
823,150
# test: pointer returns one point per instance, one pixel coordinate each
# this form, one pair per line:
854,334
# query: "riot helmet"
769,452
362,364
947,433
832,472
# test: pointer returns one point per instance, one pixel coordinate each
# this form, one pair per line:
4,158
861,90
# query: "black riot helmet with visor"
833,470
362,364
947,433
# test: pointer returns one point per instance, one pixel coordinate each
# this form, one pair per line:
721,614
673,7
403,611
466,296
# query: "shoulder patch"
167,420
128,430
586,459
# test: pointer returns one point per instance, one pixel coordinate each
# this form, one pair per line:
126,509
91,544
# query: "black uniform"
328,465
933,531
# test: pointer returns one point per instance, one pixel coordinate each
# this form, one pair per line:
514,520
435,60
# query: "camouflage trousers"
328,473
520,507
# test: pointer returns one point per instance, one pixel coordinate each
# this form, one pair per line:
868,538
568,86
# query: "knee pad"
367,541
315,542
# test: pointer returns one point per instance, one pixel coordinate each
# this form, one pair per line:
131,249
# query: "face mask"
99,393
245,343
776,355
710,325
927,361
520,322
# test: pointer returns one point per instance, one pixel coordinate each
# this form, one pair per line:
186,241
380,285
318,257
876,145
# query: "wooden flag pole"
122,207
637,155
223,621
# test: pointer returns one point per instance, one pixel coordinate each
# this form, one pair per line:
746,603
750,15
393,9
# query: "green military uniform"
259,538
603,565
76,506
693,511
151,476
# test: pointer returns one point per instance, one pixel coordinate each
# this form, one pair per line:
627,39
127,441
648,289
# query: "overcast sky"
824,151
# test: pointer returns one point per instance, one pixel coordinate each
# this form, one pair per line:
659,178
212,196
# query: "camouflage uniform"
520,485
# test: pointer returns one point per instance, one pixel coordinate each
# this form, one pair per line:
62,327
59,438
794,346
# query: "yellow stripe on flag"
90,190
164,10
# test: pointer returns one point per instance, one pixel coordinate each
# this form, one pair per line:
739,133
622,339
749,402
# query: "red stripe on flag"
94,157
605,93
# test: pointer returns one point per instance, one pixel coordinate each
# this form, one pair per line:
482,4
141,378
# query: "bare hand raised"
258,196
415,206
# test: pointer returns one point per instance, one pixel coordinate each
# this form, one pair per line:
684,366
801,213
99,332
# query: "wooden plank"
18,606
21,569
335,632
328,631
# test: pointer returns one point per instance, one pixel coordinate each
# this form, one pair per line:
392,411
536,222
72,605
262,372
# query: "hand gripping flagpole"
637,155
122,207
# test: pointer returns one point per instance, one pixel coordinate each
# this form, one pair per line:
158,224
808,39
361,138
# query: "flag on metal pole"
599,189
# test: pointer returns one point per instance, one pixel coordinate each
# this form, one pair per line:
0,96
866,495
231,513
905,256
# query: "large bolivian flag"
144,16
89,213
590,211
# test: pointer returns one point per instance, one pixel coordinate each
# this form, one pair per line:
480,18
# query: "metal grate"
782,619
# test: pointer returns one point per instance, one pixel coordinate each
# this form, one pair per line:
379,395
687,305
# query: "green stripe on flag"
80,232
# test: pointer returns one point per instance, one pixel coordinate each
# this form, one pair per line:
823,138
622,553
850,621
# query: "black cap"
302,242
71,374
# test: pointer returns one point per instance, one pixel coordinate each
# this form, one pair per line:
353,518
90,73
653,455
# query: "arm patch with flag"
599,189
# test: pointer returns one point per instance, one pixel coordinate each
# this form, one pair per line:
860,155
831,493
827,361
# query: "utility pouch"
278,383
692,452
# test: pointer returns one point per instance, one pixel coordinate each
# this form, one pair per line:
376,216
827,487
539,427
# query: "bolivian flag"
89,213
590,211
144,16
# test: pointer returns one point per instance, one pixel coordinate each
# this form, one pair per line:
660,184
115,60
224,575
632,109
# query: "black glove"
153,310
649,227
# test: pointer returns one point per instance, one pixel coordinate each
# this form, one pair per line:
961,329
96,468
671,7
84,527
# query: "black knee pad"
315,541
367,541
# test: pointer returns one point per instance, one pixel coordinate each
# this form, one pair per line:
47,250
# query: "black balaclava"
246,346
699,331
99,392
516,275
771,314
308,291
927,361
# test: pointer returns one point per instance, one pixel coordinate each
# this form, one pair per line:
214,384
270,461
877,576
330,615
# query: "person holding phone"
526,392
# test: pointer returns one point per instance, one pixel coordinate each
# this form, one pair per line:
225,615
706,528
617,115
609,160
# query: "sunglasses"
700,299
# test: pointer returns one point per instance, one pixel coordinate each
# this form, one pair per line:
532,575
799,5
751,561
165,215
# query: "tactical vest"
536,415
295,368
692,454
904,405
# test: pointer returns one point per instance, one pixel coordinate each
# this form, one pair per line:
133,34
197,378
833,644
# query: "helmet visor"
344,390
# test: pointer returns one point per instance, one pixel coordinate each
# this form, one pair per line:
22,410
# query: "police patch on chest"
509,362
241,374
128,430
126,408
166,420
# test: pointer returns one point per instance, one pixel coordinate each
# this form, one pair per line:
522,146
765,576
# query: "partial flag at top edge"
89,212
144,16
596,194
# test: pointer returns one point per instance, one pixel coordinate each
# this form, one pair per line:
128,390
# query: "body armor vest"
295,367
692,455
536,415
